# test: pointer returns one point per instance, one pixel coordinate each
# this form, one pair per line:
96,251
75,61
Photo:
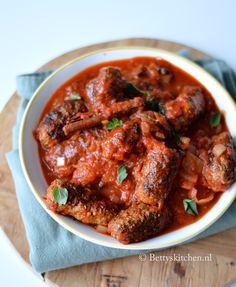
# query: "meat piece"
186,108
49,131
151,76
160,95
153,124
62,157
155,179
219,163
106,88
85,173
165,74
137,223
116,108
121,141
81,204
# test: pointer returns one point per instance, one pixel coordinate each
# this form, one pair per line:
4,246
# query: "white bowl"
29,148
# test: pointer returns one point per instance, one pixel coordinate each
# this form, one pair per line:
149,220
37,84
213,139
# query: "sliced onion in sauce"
186,185
188,180
218,150
190,170
191,177
192,163
193,195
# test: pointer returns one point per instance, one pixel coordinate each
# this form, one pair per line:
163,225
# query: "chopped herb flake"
176,136
215,119
74,96
113,123
131,90
190,206
155,106
122,173
60,194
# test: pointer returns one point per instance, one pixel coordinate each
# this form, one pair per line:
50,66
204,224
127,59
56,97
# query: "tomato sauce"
89,151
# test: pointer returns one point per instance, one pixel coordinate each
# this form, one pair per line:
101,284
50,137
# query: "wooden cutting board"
131,271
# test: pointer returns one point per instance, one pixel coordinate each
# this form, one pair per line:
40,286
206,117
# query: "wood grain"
130,271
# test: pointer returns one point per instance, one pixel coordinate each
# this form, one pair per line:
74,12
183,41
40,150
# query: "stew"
135,148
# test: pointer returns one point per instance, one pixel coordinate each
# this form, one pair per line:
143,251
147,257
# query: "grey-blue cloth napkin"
51,246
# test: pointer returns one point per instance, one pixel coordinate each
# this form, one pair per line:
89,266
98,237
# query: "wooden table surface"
130,271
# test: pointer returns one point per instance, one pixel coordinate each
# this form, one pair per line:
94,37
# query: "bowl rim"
58,217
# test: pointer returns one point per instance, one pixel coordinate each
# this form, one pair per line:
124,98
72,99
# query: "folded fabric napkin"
51,246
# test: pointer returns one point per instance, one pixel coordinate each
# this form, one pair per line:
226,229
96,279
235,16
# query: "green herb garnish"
60,194
122,173
113,123
131,90
155,106
176,136
190,206
75,96
215,119
108,76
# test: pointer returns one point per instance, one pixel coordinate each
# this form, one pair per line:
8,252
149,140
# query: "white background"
33,32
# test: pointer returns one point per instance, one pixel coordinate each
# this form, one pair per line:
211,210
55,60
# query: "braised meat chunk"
219,163
153,124
121,141
137,223
106,88
157,175
61,159
50,129
85,174
186,108
152,76
81,204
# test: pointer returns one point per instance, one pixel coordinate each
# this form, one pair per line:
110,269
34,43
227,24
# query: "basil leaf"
190,206
215,119
60,194
75,96
155,106
131,90
113,123
122,173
